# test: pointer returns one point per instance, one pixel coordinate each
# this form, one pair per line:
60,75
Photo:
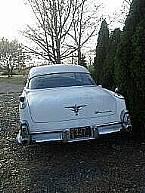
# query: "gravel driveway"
108,165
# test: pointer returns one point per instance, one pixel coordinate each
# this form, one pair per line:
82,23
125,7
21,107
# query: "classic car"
63,103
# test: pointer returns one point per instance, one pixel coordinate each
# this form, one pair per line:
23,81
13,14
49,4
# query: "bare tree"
127,3
60,28
53,16
85,24
11,55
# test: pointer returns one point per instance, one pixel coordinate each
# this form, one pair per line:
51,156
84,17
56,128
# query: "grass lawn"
15,79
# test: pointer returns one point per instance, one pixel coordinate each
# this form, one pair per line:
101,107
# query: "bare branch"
60,22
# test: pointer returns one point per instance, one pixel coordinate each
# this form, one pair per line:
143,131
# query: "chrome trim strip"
81,139
46,132
70,141
110,124
49,140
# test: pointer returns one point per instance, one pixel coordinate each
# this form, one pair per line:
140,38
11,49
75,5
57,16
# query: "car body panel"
71,113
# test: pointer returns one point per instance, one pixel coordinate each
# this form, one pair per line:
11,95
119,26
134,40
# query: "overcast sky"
14,15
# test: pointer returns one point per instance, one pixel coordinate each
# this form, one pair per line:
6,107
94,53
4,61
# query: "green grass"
15,79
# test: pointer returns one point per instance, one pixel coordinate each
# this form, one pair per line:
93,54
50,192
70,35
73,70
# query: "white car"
63,103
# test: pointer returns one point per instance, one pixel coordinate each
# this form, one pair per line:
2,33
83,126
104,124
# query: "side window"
78,77
84,79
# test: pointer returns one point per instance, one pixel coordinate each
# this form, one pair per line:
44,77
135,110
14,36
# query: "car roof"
57,68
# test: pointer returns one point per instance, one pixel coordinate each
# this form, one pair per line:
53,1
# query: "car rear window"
60,80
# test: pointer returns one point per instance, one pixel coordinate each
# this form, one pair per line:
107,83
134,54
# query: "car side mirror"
117,90
100,85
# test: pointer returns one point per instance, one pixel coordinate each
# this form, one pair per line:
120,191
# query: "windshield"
60,80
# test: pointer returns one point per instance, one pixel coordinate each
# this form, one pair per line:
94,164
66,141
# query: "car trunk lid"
70,103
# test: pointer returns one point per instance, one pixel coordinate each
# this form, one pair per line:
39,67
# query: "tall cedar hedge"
101,52
130,65
120,61
105,56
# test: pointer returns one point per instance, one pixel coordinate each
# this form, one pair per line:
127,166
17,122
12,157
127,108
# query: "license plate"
82,132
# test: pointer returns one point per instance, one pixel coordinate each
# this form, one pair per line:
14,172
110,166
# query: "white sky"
14,15
112,5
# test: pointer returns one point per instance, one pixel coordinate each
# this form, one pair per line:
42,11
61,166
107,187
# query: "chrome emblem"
76,108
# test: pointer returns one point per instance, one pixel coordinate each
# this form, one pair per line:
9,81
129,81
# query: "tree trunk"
79,56
8,69
58,59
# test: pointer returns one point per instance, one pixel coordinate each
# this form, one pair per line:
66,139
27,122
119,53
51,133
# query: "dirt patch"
108,165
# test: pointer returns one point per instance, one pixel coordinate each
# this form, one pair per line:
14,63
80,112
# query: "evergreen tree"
114,41
101,52
130,65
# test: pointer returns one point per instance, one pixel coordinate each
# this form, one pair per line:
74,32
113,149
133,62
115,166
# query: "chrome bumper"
65,135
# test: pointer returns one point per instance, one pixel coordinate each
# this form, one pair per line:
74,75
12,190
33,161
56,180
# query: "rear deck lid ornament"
76,108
